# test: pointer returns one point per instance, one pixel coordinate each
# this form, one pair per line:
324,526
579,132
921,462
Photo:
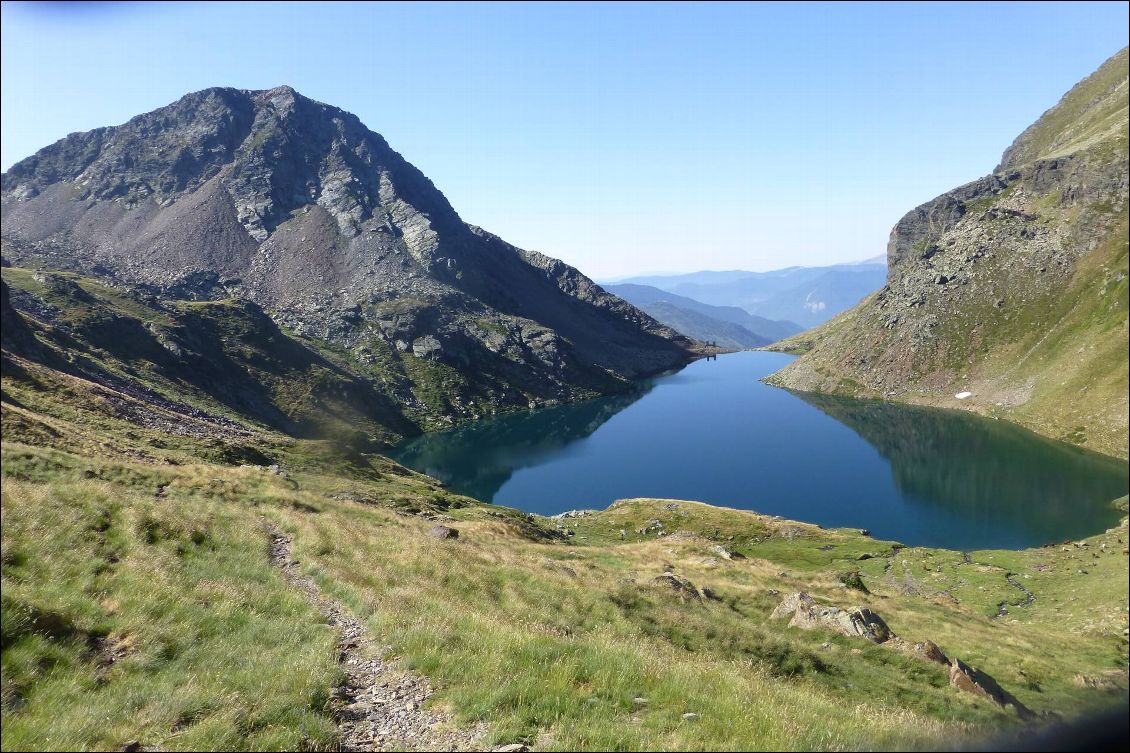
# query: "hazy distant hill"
728,326
807,296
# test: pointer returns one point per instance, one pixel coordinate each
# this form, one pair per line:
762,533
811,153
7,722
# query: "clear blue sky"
621,138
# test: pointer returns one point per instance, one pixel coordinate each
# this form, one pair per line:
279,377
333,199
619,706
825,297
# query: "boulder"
790,604
572,514
927,650
427,347
930,651
681,586
443,532
856,622
974,681
725,553
963,677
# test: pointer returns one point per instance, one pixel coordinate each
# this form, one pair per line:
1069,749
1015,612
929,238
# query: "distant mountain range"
727,326
808,296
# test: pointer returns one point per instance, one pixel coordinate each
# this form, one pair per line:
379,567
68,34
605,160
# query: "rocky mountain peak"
297,206
274,150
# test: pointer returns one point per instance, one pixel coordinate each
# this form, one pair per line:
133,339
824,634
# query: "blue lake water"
713,432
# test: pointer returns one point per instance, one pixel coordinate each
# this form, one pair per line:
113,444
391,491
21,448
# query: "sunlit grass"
548,639
213,650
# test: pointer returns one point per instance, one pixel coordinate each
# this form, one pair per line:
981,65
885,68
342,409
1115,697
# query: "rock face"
443,533
790,604
977,683
298,207
855,622
681,586
1010,291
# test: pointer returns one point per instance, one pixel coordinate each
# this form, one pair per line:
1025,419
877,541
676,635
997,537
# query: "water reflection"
713,432
986,472
478,459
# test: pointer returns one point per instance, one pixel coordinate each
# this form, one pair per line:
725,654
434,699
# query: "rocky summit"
299,211
1007,295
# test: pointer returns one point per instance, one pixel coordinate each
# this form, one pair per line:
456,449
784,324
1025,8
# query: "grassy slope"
1090,113
152,554
129,617
231,353
225,356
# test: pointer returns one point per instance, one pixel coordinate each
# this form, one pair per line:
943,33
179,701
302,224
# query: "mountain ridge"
295,205
1010,290
807,296
728,326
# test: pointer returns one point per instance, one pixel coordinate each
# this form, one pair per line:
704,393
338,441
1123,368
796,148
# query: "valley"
645,625
296,458
140,521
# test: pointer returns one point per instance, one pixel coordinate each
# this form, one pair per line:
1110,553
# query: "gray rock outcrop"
854,622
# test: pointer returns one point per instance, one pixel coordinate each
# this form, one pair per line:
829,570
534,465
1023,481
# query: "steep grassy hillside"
1012,288
121,579
140,602
231,355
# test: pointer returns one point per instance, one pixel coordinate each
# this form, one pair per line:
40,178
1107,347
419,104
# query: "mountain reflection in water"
990,472
503,445
713,432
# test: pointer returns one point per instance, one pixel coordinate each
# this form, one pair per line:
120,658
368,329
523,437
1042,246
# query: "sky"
622,138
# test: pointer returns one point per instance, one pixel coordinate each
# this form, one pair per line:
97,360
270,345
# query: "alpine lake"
713,432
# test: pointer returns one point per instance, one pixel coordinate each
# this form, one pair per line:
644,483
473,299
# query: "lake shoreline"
715,432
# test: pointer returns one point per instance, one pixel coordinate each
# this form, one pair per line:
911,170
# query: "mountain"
703,327
806,295
202,547
314,224
729,326
1012,288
